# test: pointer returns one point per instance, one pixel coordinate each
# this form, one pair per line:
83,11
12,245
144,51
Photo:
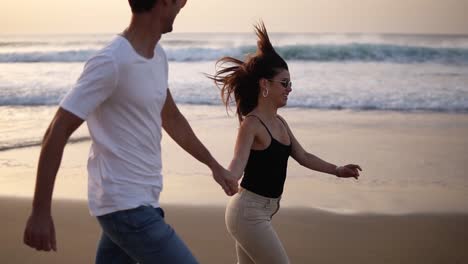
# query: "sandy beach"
408,207
413,162
310,236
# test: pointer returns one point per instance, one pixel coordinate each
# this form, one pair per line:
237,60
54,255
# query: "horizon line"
247,32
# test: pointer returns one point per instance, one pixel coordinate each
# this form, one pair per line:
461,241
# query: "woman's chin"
283,104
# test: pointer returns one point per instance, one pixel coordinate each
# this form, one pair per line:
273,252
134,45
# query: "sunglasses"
285,83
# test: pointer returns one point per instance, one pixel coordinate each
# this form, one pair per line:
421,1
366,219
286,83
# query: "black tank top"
265,171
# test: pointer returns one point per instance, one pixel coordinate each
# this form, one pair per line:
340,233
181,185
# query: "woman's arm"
245,139
177,127
313,162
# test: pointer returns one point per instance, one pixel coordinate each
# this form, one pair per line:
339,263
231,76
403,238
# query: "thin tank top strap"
285,126
268,130
282,121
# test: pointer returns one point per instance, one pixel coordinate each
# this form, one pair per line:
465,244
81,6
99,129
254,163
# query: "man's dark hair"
141,6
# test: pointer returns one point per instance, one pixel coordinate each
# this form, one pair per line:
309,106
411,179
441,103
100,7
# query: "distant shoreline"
8,146
418,34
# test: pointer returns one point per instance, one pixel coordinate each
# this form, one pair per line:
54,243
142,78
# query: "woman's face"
279,88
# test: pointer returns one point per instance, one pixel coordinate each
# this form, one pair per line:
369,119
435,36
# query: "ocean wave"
48,56
319,53
23,43
362,107
454,105
35,143
375,53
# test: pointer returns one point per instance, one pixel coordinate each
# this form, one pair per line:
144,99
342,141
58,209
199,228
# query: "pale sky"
335,16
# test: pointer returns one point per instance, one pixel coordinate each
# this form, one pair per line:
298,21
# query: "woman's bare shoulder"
251,123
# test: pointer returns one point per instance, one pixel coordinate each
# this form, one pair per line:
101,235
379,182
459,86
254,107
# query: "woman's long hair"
241,79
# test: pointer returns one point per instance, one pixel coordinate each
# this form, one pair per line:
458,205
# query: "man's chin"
167,30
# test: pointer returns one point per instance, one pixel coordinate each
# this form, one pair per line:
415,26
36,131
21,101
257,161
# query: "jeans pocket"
139,218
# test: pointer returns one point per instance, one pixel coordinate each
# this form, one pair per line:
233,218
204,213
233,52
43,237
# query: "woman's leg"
248,220
242,256
261,243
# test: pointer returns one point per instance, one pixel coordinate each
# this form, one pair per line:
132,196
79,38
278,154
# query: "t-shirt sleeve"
97,82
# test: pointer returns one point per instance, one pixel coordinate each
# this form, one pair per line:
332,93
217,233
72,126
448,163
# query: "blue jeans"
142,236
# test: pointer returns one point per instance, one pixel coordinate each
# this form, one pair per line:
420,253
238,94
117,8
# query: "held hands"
224,178
348,171
40,233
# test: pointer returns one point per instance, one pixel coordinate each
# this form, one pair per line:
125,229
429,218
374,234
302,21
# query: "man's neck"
143,36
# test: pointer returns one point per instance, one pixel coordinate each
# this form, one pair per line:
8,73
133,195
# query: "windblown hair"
141,6
241,79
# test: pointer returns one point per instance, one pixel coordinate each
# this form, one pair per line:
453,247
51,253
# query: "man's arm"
175,124
40,232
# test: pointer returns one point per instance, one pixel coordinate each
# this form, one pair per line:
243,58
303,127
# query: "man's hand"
40,232
224,178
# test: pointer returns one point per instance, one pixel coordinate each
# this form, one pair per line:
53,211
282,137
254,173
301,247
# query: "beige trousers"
248,220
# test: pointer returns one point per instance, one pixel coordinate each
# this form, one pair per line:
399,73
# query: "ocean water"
358,72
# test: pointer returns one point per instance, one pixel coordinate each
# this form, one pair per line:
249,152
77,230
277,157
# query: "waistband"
251,195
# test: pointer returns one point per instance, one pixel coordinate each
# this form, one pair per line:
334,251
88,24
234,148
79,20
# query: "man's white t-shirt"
120,94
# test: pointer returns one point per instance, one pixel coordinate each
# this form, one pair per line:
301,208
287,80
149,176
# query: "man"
123,96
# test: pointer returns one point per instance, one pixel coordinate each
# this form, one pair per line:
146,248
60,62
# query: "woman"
261,86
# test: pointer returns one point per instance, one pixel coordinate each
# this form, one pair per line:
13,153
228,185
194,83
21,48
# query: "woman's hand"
224,178
348,171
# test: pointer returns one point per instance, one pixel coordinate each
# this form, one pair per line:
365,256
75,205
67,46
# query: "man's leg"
145,236
109,252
